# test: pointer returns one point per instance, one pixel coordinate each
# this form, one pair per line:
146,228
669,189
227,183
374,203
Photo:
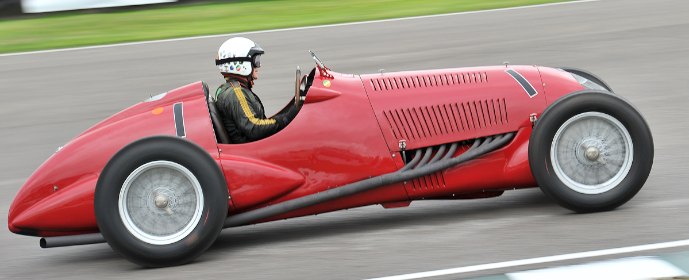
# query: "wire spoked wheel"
161,201
591,151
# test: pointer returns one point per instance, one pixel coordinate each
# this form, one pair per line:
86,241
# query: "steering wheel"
297,86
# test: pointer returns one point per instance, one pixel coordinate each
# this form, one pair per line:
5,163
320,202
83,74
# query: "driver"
240,108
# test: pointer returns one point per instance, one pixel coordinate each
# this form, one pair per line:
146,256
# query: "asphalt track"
641,48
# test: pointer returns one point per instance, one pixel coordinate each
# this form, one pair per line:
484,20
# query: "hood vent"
423,122
428,182
427,81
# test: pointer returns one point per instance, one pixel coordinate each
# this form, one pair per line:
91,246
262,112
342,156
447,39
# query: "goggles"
255,60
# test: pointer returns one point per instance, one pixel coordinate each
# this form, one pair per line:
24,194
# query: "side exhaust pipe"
71,240
417,167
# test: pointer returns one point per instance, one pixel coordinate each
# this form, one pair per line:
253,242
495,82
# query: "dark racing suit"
243,115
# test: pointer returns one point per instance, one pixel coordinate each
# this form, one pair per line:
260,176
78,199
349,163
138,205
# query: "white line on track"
295,28
573,256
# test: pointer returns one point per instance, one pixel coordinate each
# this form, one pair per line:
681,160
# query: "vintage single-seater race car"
159,181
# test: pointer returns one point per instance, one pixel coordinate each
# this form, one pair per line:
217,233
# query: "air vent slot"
427,81
430,121
428,182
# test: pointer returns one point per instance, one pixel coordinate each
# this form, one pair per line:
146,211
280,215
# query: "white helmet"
239,55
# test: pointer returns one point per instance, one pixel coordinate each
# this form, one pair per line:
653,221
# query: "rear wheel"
591,151
161,201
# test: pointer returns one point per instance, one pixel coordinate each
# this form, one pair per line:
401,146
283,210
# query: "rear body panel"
58,197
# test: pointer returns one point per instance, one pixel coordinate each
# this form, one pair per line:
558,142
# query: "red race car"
159,181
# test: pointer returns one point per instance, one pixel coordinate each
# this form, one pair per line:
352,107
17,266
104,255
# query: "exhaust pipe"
417,167
71,240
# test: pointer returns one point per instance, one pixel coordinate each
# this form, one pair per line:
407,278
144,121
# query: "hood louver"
427,81
430,121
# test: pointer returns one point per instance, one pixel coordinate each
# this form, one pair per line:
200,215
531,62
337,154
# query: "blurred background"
18,7
65,65
48,24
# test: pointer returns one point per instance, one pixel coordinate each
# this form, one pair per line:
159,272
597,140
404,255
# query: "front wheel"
591,151
161,201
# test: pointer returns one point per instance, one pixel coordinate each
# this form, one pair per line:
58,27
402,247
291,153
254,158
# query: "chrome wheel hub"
592,153
160,202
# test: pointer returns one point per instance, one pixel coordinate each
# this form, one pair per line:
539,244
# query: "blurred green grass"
84,28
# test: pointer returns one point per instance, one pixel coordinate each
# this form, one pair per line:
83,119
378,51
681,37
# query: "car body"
350,129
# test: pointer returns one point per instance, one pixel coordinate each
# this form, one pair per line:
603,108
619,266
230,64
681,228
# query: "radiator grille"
427,81
430,121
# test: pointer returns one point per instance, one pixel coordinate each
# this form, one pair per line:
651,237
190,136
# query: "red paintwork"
347,130
249,178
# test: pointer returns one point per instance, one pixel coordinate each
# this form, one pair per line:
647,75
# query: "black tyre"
161,201
591,151
588,76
